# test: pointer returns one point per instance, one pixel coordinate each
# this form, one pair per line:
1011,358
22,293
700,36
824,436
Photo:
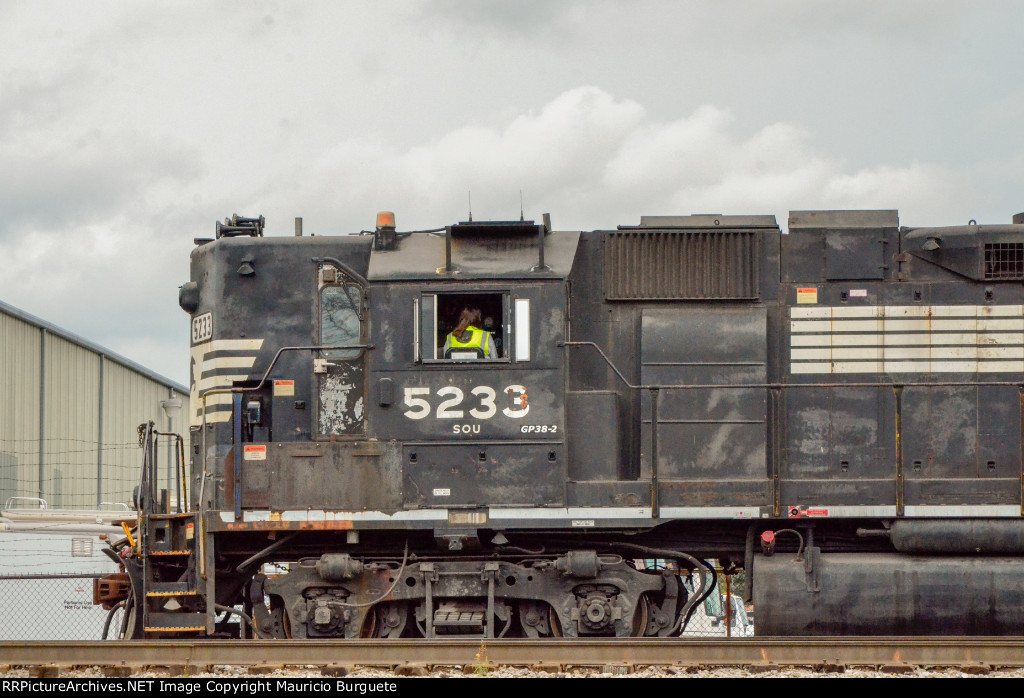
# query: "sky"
128,128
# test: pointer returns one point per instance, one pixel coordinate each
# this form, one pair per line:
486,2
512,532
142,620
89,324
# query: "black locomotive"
836,410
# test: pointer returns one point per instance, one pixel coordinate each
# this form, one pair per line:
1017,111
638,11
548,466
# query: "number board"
202,328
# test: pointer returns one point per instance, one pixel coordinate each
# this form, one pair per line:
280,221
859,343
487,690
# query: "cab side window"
482,338
486,326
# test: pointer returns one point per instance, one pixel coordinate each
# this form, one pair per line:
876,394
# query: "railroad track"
893,654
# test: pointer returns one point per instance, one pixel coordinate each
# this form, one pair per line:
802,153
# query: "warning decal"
807,295
255,453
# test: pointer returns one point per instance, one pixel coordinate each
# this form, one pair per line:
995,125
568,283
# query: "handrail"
768,386
897,387
117,504
222,391
42,502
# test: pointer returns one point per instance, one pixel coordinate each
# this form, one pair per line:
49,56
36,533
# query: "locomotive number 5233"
484,405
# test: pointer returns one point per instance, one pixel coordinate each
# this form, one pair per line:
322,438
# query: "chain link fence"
46,586
722,614
81,473
52,607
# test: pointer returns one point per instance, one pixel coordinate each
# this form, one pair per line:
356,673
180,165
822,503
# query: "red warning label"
255,453
807,295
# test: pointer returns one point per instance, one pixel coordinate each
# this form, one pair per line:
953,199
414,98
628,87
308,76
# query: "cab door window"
340,373
339,320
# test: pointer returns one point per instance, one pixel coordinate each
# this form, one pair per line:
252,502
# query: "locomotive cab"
480,422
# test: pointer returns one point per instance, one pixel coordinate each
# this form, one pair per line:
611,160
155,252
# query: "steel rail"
844,651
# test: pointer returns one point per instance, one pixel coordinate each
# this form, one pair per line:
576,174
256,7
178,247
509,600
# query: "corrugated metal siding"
72,397
75,453
674,265
129,400
19,416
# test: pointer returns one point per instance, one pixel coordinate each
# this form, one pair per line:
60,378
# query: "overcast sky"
128,128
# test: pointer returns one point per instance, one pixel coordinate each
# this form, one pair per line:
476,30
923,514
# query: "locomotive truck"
836,411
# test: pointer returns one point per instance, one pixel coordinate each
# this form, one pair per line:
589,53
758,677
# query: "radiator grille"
668,265
1004,260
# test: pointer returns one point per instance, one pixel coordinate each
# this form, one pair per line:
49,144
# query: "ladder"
171,596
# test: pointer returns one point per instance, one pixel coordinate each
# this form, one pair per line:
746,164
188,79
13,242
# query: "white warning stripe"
907,339
228,362
890,353
217,399
834,367
889,324
229,345
201,364
861,311
221,381
889,340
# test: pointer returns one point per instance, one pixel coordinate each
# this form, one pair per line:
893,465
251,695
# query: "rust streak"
340,525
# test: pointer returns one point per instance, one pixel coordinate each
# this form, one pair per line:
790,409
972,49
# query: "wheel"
641,617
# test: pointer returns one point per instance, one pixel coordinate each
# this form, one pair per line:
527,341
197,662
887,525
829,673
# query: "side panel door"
341,372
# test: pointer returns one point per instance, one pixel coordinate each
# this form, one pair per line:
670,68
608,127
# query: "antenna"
522,218
470,195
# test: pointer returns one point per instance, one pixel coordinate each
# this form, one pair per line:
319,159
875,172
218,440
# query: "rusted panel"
339,476
614,493
109,590
336,525
715,492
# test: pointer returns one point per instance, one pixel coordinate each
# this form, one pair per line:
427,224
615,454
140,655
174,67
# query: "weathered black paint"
756,440
895,594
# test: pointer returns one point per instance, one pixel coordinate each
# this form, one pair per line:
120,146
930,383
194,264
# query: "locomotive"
836,411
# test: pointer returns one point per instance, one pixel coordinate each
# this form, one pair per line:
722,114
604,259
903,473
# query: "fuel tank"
888,594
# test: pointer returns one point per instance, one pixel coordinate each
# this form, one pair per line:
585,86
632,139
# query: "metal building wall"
130,400
68,422
19,415
71,400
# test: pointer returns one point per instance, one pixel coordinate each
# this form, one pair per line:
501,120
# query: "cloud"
99,225
596,161
523,18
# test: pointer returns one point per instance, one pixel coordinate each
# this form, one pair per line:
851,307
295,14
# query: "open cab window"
497,328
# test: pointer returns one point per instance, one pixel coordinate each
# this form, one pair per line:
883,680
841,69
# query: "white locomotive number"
202,328
416,399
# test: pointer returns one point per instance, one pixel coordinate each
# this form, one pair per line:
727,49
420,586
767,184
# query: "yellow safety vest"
477,340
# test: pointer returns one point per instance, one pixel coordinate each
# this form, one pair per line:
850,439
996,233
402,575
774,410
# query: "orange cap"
385,219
